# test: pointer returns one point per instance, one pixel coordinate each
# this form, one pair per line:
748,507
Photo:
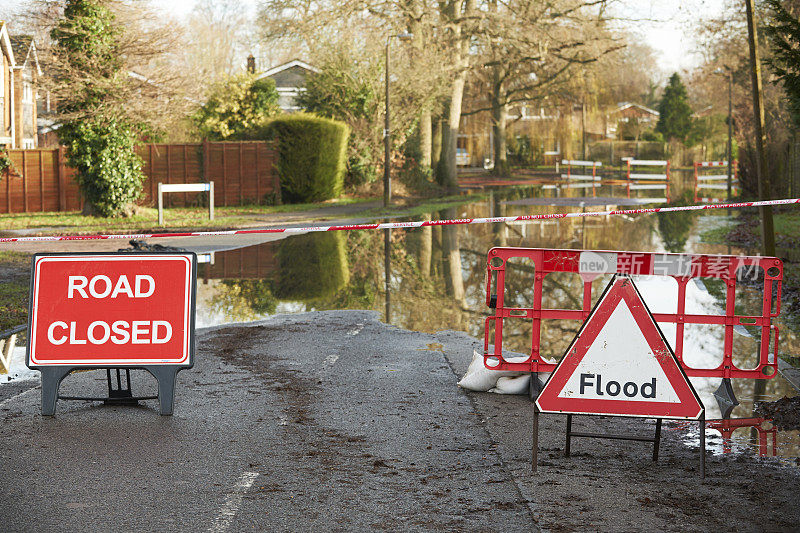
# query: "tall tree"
457,21
100,141
783,32
675,114
531,51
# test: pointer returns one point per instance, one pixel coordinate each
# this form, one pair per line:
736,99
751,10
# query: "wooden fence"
242,172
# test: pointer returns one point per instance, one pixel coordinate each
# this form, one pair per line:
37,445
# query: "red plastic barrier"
592,264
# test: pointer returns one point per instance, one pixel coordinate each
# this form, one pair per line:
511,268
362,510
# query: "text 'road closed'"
112,309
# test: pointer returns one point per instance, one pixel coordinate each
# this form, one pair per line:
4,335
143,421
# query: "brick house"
26,77
6,88
18,80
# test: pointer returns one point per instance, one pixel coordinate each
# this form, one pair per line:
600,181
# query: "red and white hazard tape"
403,225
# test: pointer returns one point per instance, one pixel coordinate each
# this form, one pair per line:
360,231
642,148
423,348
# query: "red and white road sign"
112,310
620,364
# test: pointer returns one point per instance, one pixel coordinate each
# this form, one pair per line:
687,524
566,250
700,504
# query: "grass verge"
147,218
429,206
14,287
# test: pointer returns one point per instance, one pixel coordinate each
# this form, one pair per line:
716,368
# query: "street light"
730,126
387,179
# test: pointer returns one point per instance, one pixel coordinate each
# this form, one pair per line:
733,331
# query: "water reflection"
433,278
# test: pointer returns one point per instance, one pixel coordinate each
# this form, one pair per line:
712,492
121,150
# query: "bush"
109,171
313,267
235,106
312,156
521,152
345,89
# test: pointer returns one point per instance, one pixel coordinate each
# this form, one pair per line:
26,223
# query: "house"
290,81
642,117
26,78
6,88
18,80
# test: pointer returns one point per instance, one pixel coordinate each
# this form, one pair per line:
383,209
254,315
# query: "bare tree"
148,90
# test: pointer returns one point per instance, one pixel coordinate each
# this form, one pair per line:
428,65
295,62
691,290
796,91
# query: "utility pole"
583,129
764,188
730,133
387,140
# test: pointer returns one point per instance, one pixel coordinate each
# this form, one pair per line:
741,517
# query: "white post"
211,200
160,206
7,348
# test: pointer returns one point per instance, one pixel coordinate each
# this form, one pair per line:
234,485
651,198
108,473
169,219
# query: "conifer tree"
675,114
783,33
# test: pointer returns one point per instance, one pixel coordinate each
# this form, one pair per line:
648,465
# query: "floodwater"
433,278
436,281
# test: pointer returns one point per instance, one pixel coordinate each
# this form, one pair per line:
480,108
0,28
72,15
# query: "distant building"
628,112
290,81
19,77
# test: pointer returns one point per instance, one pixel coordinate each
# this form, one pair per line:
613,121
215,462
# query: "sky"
668,28
666,25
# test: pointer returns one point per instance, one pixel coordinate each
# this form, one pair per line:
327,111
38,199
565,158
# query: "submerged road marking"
20,395
232,502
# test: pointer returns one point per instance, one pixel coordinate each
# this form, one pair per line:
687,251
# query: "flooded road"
432,279
436,281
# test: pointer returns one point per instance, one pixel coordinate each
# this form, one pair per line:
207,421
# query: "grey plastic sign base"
166,375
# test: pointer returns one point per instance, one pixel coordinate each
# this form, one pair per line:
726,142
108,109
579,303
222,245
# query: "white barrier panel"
581,163
714,186
712,177
642,187
185,187
580,177
647,163
648,176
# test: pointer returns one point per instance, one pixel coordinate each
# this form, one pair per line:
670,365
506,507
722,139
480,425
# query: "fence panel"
243,173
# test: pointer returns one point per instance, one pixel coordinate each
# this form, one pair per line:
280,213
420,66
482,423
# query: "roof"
622,106
285,66
5,41
24,48
21,44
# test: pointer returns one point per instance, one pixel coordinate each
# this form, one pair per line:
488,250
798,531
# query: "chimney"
251,64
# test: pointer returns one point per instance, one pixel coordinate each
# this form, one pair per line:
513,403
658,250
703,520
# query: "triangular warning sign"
620,364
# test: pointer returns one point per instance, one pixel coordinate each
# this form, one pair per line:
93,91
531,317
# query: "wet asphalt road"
324,421
334,421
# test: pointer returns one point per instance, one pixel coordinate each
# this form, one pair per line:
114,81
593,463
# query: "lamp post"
729,151
387,142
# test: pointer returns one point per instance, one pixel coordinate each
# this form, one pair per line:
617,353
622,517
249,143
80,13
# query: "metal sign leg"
51,380
569,435
535,439
657,440
703,445
166,377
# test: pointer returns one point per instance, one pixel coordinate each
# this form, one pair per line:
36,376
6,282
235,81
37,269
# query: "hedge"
312,156
312,266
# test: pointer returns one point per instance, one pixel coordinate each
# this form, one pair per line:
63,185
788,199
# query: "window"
27,92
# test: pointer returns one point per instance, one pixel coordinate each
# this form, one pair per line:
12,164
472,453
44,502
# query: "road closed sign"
620,364
131,309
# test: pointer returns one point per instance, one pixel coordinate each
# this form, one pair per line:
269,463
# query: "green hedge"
312,266
312,156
